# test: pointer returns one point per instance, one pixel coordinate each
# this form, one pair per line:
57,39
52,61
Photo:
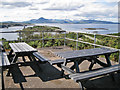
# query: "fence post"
119,57
19,36
64,38
77,41
94,39
42,39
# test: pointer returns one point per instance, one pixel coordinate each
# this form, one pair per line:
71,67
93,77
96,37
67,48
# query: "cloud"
60,8
15,4
63,5
33,8
23,10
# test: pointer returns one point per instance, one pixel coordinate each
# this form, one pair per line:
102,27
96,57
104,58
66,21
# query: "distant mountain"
43,20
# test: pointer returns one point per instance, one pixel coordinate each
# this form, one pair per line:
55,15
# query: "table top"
84,53
21,47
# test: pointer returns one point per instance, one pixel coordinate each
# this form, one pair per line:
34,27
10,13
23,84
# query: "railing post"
94,39
64,39
19,36
42,39
119,57
77,41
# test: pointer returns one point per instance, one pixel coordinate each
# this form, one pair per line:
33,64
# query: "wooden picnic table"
78,56
21,49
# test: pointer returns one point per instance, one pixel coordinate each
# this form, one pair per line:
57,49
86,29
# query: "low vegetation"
46,39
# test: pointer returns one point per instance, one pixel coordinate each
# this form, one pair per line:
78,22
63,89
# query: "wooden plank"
21,47
59,61
4,59
85,53
14,47
91,74
68,70
40,57
29,47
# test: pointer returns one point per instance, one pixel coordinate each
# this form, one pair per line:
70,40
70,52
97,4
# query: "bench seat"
40,57
87,75
58,61
4,59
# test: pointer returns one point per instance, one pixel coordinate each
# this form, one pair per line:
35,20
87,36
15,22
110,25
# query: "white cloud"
22,10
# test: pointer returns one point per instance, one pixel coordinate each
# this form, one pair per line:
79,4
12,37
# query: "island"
12,24
95,28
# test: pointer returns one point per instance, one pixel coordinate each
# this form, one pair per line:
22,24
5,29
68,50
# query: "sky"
24,10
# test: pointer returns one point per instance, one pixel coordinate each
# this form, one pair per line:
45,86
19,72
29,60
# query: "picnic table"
78,56
21,49
92,55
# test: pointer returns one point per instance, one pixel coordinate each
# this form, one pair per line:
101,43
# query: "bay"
112,28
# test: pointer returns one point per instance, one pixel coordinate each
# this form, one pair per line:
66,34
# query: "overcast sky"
23,10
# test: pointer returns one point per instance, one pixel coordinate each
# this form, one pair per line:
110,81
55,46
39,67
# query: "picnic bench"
4,62
92,56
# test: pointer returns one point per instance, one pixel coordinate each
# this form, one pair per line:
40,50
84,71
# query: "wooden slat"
4,59
40,57
85,53
13,47
21,47
68,70
29,47
59,61
91,74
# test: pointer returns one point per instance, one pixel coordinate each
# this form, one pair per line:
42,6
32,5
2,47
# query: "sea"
107,29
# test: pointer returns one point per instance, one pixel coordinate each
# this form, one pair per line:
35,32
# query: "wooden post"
64,39
77,42
42,39
119,57
19,36
94,39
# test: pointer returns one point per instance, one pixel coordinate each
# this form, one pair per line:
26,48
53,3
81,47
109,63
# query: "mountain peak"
41,18
44,20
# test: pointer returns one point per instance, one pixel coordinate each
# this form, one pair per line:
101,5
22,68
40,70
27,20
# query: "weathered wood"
40,57
21,47
68,70
85,53
82,76
4,59
58,61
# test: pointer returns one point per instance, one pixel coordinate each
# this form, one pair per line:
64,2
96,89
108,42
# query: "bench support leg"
65,63
81,86
2,87
8,74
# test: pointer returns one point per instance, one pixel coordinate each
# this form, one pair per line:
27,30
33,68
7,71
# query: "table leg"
76,66
10,54
30,58
109,64
99,62
15,58
23,58
79,62
108,59
92,64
